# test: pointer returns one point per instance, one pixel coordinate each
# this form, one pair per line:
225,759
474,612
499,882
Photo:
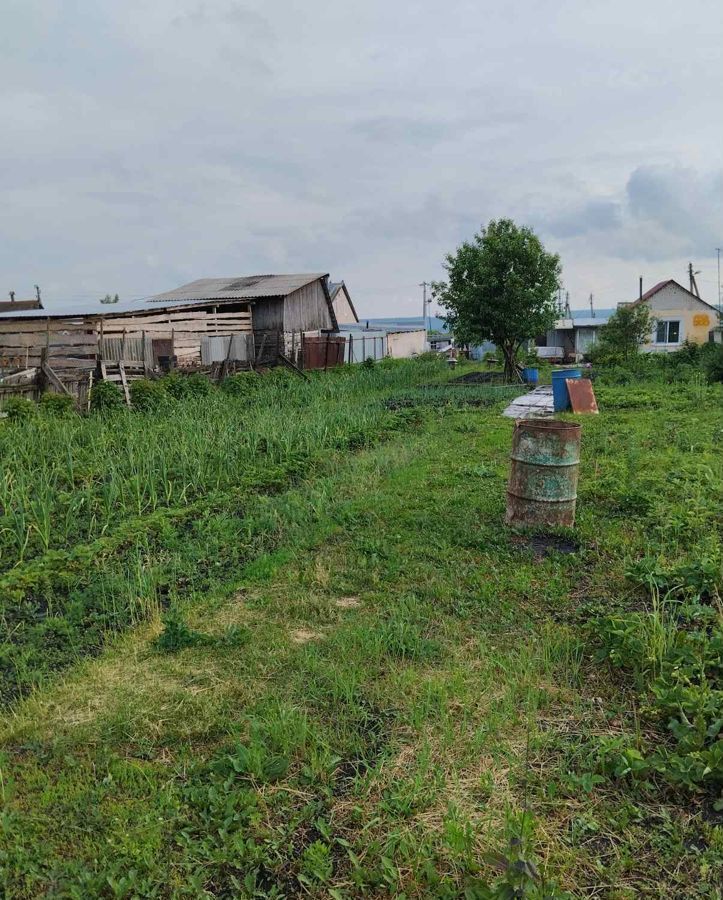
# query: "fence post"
326,352
351,348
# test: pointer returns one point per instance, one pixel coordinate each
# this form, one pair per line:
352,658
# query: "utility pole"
592,308
693,284
720,310
424,285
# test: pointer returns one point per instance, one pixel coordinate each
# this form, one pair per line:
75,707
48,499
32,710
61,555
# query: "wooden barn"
248,320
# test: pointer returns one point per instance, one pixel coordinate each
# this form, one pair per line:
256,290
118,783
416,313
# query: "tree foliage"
624,333
501,287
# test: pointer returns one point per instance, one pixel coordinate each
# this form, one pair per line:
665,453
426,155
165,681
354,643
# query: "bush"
147,394
243,384
175,385
198,385
712,362
57,404
19,408
106,396
181,386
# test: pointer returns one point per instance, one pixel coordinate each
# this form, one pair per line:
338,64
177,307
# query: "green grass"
367,686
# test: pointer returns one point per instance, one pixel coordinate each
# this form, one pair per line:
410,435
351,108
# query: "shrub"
198,385
242,384
19,409
106,396
147,394
181,386
712,362
57,404
175,385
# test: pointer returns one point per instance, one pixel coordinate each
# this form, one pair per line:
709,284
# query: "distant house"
679,316
573,335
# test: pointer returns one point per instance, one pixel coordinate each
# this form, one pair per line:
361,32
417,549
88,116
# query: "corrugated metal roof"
221,290
70,311
238,287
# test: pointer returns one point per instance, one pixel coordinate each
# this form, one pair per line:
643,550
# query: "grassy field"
298,653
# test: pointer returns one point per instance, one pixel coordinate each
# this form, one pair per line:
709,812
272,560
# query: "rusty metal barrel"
542,489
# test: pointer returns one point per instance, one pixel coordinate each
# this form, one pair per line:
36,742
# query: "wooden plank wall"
73,342
307,309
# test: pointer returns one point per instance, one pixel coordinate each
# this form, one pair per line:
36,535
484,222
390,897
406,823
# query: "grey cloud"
399,128
663,212
595,215
236,14
146,144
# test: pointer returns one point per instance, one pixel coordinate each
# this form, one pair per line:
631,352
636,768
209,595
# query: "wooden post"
351,348
326,352
123,347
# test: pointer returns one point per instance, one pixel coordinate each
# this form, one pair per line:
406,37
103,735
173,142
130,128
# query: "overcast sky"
146,144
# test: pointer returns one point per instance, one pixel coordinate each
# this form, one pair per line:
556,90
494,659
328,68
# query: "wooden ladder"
116,372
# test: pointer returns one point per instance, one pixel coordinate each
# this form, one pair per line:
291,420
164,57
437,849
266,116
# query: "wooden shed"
244,318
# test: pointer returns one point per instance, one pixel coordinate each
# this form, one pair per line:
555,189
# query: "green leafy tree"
625,332
501,287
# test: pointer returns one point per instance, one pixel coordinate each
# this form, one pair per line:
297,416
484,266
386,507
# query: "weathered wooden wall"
74,342
307,309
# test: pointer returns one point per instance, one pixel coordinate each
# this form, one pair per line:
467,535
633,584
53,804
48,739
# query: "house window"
668,332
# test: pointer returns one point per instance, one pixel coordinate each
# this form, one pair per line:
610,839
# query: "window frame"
667,323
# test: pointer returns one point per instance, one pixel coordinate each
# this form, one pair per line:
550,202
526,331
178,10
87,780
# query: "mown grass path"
377,700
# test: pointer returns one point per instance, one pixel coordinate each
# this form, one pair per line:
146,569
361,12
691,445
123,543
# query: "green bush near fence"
57,404
106,397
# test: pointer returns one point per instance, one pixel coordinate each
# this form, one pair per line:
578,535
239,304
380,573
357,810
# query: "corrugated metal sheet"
361,345
238,287
215,348
114,309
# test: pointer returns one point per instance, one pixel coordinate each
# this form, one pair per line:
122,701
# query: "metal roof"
221,290
125,307
239,287
660,285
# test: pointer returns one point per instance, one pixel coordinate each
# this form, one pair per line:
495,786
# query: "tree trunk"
508,351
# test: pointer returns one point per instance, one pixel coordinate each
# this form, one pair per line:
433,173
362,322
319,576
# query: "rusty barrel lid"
546,442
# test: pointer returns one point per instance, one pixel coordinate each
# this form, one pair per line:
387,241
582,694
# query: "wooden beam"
287,362
54,380
124,382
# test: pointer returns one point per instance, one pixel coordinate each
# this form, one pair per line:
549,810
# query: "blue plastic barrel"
560,396
530,376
